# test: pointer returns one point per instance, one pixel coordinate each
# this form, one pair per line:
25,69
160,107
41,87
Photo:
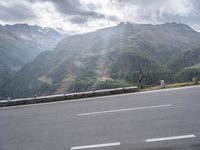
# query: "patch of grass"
174,85
109,84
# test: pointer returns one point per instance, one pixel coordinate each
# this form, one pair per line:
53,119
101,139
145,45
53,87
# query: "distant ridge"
20,43
107,58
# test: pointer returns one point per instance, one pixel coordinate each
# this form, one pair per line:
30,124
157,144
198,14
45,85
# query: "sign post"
140,78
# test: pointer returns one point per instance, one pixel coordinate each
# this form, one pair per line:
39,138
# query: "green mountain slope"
19,44
105,57
187,64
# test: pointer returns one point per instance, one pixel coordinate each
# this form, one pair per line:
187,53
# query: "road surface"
155,120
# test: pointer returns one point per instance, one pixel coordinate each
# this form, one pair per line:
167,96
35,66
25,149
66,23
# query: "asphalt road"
158,120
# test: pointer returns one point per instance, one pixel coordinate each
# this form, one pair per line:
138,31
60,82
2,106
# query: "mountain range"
20,43
111,57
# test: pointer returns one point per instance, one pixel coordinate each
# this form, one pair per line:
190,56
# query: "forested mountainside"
20,43
111,57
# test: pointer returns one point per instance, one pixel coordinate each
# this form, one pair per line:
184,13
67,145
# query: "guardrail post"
8,99
35,96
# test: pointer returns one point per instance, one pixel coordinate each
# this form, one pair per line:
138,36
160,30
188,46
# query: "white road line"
121,110
171,138
95,146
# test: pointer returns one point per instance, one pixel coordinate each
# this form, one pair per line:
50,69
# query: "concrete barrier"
65,96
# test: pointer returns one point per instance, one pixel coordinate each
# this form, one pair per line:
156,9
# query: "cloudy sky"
89,15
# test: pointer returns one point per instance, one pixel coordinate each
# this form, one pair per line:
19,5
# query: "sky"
80,16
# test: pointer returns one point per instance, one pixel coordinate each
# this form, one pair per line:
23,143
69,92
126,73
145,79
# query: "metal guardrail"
66,96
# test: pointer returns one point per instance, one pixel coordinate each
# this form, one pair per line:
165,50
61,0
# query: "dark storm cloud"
15,12
74,8
78,20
